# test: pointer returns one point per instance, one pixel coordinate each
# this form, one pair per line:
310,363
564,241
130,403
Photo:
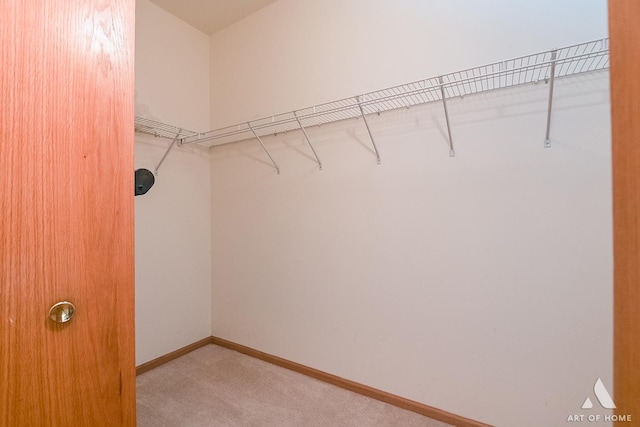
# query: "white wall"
172,69
173,226
480,284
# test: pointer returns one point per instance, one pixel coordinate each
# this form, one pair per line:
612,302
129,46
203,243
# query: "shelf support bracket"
452,152
547,139
304,132
166,153
264,148
366,123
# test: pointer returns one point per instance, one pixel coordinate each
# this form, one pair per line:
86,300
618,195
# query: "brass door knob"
62,312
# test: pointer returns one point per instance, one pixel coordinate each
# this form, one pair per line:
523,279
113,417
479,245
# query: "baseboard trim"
383,396
141,369
362,389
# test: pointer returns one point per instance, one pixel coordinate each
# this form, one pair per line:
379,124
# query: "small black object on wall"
144,181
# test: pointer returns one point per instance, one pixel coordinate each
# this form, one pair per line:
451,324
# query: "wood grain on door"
66,212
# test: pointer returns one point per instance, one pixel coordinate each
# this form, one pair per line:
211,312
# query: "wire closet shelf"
566,61
158,129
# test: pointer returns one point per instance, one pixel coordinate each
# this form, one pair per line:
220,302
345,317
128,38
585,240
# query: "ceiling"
210,16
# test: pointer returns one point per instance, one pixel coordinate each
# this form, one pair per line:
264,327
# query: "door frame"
625,127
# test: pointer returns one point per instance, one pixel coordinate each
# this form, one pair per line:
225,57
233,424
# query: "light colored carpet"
214,386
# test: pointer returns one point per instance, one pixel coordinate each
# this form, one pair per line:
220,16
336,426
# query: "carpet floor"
214,386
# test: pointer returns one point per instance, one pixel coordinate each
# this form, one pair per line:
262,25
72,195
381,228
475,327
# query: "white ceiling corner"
210,16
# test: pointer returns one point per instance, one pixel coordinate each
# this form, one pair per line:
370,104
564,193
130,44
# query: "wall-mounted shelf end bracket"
366,123
452,152
552,75
264,148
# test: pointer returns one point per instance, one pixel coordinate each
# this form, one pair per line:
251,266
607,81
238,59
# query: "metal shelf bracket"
166,153
264,148
452,152
552,72
304,132
366,123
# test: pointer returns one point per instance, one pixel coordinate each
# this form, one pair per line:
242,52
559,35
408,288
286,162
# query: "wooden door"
624,16
66,212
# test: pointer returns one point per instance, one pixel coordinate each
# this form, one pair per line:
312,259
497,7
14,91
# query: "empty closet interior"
412,195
